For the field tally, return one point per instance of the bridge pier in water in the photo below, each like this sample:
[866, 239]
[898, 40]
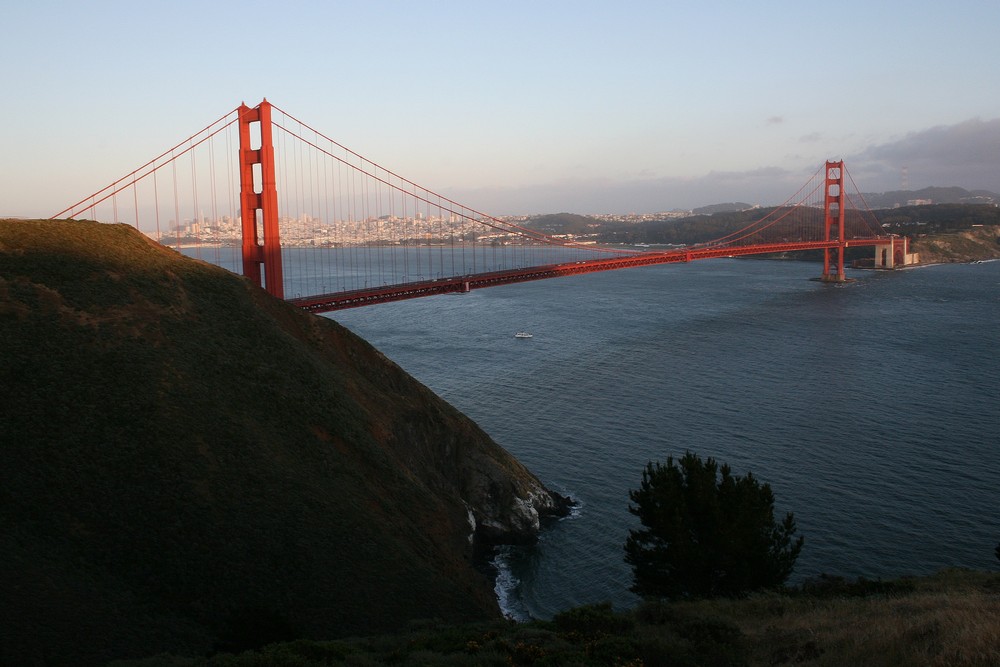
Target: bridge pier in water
[895, 253]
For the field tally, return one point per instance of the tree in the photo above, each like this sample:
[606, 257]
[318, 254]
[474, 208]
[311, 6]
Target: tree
[703, 536]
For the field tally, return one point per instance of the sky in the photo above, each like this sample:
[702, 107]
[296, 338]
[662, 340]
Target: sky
[517, 107]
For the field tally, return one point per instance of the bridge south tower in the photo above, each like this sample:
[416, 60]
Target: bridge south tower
[833, 222]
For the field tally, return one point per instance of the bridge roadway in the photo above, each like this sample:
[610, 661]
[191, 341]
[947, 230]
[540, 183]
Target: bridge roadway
[457, 284]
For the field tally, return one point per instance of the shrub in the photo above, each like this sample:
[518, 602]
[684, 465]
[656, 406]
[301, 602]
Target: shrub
[596, 620]
[706, 536]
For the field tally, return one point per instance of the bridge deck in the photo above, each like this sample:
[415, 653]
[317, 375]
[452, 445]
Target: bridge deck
[457, 284]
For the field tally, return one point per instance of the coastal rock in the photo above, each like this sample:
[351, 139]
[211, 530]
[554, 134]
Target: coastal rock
[508, 503]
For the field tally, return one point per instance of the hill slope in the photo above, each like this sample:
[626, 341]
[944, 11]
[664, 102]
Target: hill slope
[187, 463]
[980, 243]
[945, 619]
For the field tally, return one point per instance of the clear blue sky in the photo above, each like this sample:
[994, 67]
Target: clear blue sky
[517, 107]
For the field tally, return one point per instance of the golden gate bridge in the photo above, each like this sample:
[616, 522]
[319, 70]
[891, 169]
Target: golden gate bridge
[355, 233]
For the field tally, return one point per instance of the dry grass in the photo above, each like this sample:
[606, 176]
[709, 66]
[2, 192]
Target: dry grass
[951, 619]
[963, 246]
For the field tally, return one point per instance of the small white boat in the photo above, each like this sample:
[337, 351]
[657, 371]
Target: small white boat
[522, 334]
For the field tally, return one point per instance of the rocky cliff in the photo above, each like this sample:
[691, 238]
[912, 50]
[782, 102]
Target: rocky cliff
[975, 244]
[188, 464]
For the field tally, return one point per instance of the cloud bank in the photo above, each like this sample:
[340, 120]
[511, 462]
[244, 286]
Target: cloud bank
[966, 154]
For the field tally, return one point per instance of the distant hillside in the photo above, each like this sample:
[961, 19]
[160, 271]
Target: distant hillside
[908, 220]
[563, 223]
[682, 231]
[188, 464]
[892, 199]
[980, 243]
[730, 207]
[933, 195]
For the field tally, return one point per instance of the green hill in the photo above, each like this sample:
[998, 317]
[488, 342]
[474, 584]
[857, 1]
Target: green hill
[187, 464]
[912, 221]
[563, 223]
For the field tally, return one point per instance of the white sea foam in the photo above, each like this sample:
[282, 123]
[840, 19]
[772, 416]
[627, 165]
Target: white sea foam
[507, 586]
[575, 509]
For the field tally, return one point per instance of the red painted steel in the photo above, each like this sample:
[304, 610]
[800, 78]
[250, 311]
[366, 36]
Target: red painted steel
[831, 217]
[366, 297]
[257, 254]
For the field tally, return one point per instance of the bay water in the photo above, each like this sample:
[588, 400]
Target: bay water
[872, 408]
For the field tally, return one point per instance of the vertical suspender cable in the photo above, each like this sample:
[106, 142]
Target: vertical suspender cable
[230, 188]
[330, 213]
[327, 222]
[354, 213]
[299, 193]
[177, 211]
[283, 166]
[196, 215]
[451, 235]
[315, 222]
[391, 237]
[365, 212]
[135, 200]
[379, 230]
[212, 193]
[404, 241]
[156, 205]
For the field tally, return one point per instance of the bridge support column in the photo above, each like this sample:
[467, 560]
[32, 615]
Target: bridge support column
[895, 253]
[833, 222]
[259, 202]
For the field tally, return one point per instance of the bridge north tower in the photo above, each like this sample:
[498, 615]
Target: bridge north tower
[259, 201]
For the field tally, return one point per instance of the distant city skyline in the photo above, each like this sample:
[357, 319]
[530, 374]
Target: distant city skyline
[518, 108]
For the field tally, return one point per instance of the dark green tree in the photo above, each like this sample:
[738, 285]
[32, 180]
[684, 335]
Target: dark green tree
[704, 535]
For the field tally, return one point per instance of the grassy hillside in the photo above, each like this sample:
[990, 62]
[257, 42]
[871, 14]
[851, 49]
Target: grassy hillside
[949, 619]
[979, 243]
[187, 464]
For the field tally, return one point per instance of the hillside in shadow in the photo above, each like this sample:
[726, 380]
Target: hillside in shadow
[189, 465]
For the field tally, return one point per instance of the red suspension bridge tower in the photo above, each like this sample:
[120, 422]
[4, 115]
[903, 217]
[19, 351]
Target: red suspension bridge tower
[833, 220]
[259, 201]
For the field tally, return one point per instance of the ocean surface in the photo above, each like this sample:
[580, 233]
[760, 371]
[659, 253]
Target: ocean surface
[872, 408]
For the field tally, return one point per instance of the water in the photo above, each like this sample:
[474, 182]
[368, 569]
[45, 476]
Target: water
[872, 408]
[309, 271]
